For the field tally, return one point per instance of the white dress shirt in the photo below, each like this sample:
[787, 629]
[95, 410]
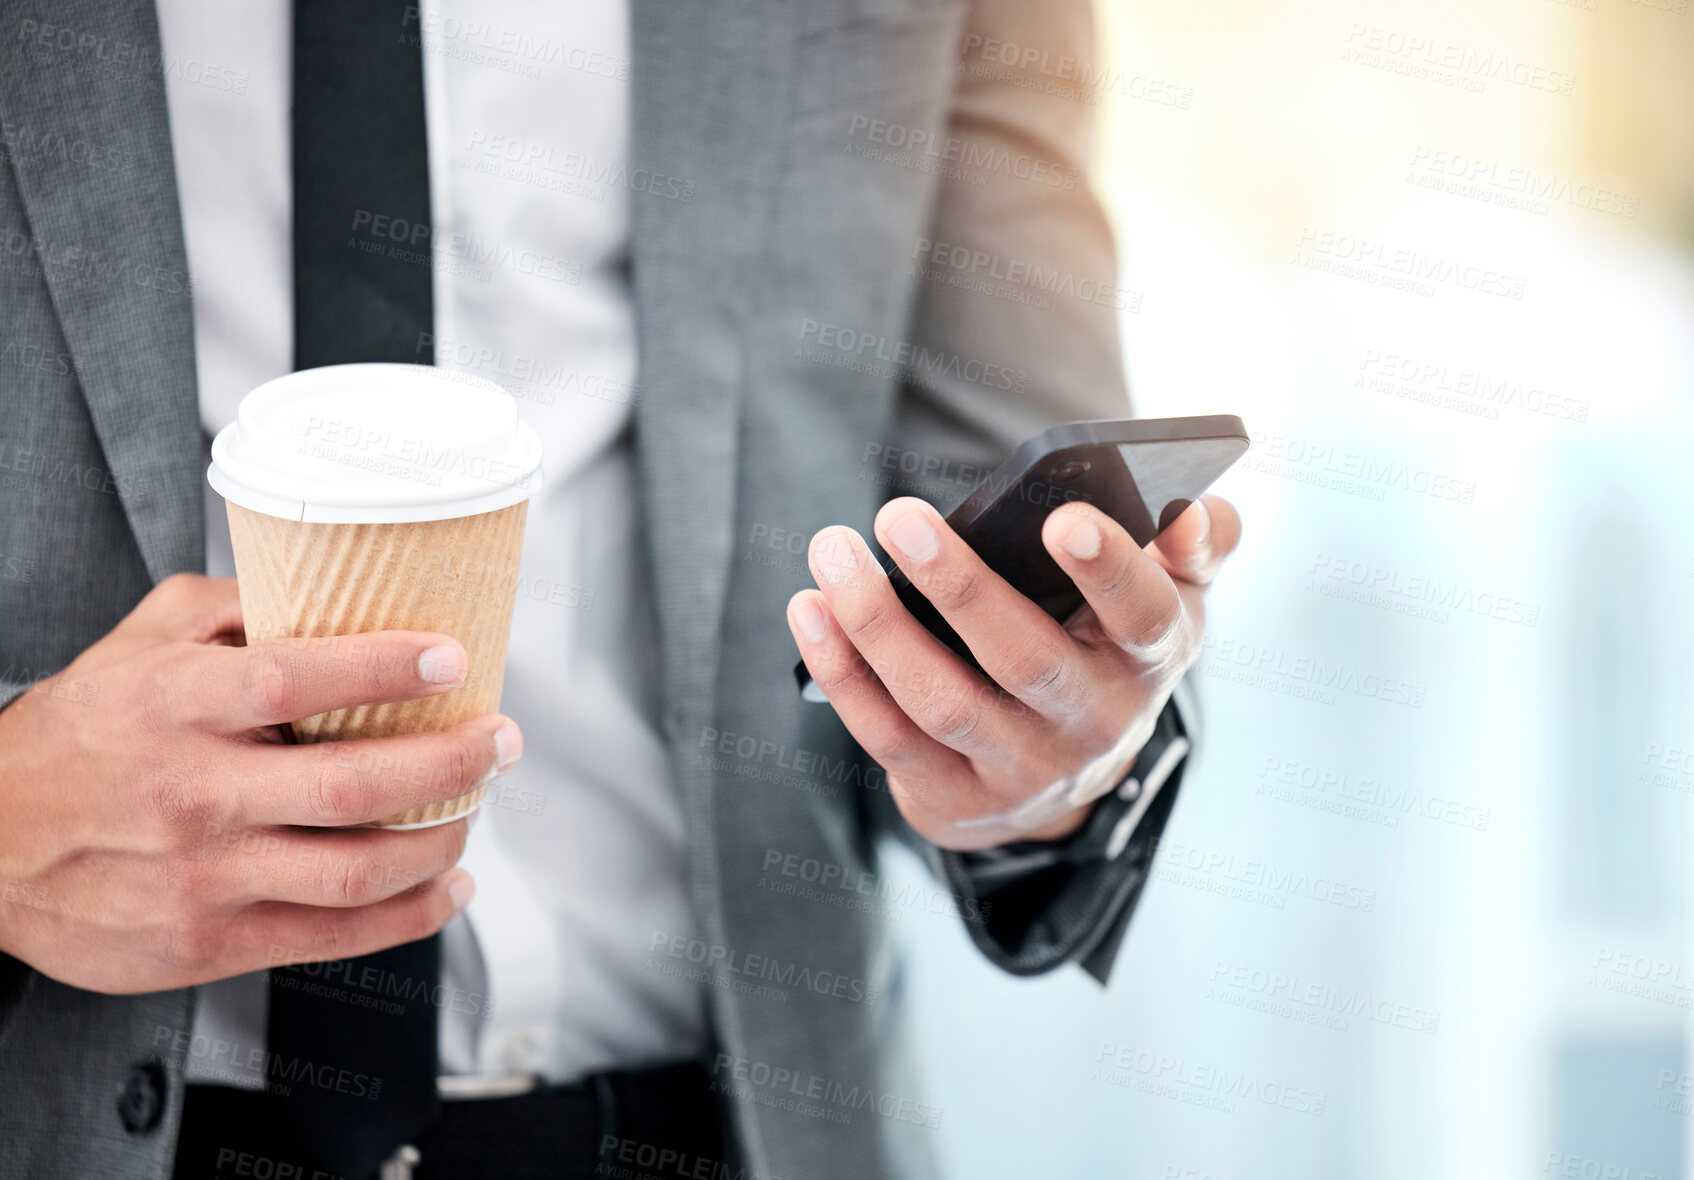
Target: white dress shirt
[579, 855]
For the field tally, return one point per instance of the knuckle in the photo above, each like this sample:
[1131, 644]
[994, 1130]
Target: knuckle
[1142, 634]
[377, 666]
[183, 885]
[154, 713]
[1106, 728]
[956, 588]
[1153, 629]
[1186, 651]
[872, 625]
[950, 715]
[331, 792]
[1038, 668]
[331, 934]
[174, 590]
[1200, 565]
[177, 799]
[848, 674]
[272, 680]
[461, 766]
[895, 745]
[347, 883]
[1118, 582]
[191, 947]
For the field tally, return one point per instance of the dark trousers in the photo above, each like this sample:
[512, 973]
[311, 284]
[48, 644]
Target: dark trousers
[654, 1122]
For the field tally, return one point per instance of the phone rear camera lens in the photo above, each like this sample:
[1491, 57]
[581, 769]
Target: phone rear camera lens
[1068, 470]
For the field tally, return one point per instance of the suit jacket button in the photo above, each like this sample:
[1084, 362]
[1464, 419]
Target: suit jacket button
[142, 1103]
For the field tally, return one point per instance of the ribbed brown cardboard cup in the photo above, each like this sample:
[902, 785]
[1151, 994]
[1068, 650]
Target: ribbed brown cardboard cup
[336, 581]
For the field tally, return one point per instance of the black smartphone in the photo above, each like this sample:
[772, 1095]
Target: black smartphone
[1141, 472]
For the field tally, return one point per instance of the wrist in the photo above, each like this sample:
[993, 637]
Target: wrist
[1069, 824]
[1063, 827]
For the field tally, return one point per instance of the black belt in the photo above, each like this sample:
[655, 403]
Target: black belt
[663, 1120]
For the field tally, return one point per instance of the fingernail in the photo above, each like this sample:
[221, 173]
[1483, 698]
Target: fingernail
[508, 747]
[1082, 540]
[913, 536]
[442, 664]
[1205, 524]
[808, 616]
[461, 891]
[833, 554]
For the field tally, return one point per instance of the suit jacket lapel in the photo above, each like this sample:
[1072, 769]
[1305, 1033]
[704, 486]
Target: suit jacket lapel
[709, 84]
[83, 81]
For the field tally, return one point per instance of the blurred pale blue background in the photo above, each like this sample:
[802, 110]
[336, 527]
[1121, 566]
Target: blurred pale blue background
[1437, 256]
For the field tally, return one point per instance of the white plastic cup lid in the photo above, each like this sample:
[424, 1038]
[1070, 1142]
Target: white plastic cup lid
[376, 444]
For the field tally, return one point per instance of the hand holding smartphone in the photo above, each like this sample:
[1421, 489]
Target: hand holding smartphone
[1140, 472]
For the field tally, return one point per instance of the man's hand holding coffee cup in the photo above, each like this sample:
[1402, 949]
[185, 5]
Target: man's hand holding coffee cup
[167, 835]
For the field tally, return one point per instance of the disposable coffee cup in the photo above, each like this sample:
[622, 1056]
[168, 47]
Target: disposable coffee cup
[381, 497]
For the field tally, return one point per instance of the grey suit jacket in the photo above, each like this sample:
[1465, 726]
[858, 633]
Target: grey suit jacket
[878, 268]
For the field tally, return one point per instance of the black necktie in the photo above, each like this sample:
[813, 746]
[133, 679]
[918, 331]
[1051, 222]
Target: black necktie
[353, 1043]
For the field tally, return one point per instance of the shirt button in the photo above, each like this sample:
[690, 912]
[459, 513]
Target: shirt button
[520, 1051]
[142, 1103]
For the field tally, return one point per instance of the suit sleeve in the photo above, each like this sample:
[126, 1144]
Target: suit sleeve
[15, 975]
[1018, 276]
[1036, 919]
